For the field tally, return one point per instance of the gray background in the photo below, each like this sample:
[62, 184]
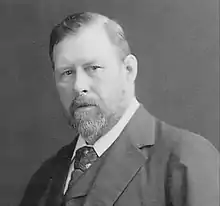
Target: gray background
[176, 43]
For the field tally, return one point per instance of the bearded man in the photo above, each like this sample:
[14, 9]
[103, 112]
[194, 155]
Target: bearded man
[121, 155]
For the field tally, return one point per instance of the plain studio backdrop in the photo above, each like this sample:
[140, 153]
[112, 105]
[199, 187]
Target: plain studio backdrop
[176, 43]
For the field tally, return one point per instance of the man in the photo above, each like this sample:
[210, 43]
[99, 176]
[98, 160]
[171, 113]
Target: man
[121, 154]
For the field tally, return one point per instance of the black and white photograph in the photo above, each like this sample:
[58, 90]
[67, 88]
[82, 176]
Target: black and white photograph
[109, 103]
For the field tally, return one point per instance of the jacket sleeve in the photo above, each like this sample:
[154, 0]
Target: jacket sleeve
[202, 162]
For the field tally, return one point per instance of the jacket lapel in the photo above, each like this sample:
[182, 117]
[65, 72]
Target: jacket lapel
[58, 178]
[123, 160]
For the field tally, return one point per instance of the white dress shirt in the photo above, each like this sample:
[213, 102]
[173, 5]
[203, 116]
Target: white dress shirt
[102, 144]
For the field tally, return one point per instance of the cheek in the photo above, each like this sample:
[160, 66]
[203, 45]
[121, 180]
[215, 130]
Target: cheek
[110, 93]
[66, 95]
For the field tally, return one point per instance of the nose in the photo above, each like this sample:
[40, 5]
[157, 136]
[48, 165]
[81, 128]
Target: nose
[81, 83]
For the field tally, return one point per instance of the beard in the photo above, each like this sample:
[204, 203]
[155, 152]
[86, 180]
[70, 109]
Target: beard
[93, 122]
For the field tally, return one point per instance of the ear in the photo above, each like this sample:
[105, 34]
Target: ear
[131, 66]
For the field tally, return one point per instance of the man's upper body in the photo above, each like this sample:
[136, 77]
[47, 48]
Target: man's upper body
[142, 161]
[150, 163]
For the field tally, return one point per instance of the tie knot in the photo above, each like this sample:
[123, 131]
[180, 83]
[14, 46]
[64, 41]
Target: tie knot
[84, 157]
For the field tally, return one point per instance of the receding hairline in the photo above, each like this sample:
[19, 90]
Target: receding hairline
[112, 28]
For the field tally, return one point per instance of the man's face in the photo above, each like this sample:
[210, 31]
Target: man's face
[89, 62]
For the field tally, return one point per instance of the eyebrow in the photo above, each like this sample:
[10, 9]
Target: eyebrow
[89, 63]
[61, 68]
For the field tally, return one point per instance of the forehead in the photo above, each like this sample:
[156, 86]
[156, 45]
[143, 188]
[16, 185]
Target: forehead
[90, 44]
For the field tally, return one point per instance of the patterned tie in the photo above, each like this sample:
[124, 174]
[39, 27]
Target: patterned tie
[83, 159]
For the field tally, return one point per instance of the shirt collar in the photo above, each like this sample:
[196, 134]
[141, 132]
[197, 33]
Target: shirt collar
[102, 144]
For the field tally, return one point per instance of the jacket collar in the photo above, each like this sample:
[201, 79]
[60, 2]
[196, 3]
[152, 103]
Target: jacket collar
[141, 128]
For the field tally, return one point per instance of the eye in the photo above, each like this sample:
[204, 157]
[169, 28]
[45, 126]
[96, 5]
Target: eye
[93, 68]
[67, 72]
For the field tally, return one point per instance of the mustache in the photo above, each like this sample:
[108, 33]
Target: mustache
[82, 102]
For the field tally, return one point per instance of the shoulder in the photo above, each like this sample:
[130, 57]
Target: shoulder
[201, 160]
[188, 145]
[47, 167]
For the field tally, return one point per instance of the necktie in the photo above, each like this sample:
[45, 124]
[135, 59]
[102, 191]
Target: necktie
[83, 159]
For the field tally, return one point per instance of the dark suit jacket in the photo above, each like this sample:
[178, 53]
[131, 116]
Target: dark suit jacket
[151, 163]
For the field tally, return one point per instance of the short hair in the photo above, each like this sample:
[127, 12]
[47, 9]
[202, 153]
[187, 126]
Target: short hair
[72, 24]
